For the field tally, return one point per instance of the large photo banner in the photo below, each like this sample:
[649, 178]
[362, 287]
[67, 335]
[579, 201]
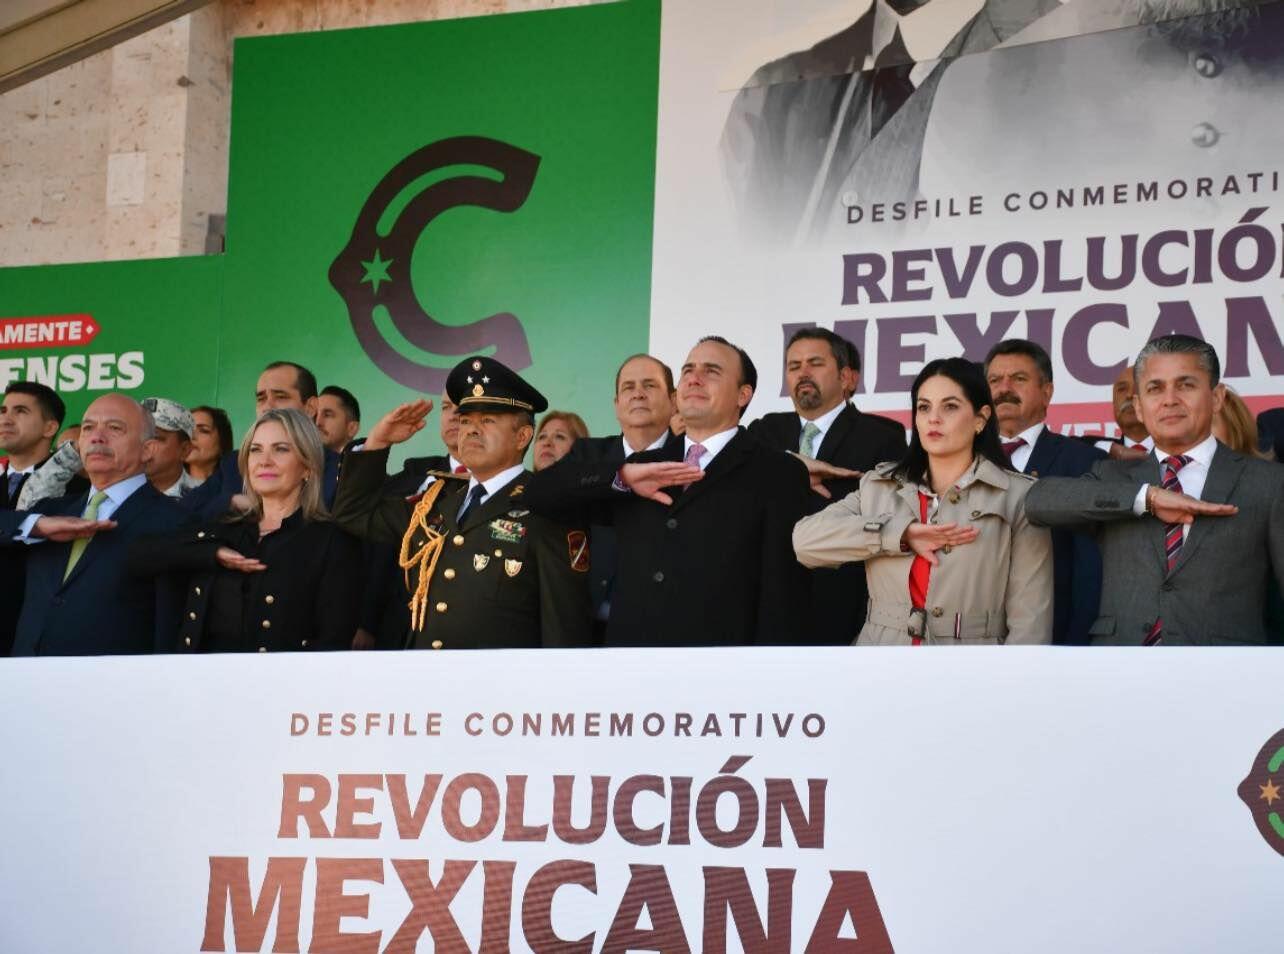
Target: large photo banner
[928, 179]
[612, 801]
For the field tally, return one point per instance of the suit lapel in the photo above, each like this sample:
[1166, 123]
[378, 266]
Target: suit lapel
[1146, 471]
[1042, 454]
[125, 514]
[1223, 474]
[729, 459]
[836, 434]
[496, 505]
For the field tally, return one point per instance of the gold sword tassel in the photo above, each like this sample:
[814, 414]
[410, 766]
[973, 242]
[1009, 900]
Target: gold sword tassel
[424, 558]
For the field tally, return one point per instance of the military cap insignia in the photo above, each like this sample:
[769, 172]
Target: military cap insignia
[509, 531]
[512, 567]
[477, 365]
[577, 544]
[1263, 791]
[478, 390]
[480, 561]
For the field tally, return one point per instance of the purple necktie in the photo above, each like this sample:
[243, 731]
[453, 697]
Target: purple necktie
[694, 453]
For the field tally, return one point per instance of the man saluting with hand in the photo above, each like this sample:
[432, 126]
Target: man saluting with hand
[481, 571]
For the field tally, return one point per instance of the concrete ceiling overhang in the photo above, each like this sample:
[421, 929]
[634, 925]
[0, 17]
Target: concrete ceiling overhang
[40, 36]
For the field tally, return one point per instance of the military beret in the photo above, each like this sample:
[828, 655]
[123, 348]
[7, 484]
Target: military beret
[483, 384]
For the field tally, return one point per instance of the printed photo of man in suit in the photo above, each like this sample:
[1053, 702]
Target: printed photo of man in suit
[1191, 536]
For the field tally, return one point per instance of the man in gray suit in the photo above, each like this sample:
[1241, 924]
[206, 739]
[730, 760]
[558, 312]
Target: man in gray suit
[1190, 535]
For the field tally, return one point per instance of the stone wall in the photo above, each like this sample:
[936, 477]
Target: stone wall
[124, 154]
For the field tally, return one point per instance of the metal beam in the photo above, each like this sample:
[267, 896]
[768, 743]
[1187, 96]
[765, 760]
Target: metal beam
[40, 36]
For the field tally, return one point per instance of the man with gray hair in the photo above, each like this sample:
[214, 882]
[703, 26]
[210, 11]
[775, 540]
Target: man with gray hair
[1192, 534]
[78, 598]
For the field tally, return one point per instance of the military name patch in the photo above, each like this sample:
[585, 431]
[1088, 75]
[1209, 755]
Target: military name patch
[509, 531]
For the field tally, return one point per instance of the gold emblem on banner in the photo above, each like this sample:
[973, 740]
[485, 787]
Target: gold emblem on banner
[480, 561]
[512, 567]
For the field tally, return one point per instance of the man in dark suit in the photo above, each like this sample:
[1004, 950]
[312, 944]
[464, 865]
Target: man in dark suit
[79, 600]
[1020, 377]
[703, 524]
[282, 384]
[30, 416]
[485, 572]
[644, 405]
[1191, 536]
[821, 371]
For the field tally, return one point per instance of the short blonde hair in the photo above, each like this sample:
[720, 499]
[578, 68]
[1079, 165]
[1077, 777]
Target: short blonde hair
[573, 421]
[305, 440]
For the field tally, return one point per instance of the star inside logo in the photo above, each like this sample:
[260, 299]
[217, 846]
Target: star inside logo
[376, 271]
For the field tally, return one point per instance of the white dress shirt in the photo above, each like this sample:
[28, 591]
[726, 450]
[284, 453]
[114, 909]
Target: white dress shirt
[1192, 476]
[711, 444]
[823, 424]
[117, 494]
[1021, 456]
[654, 445]
[495, 484]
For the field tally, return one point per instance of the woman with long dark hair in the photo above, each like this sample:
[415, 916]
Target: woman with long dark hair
[949, 555]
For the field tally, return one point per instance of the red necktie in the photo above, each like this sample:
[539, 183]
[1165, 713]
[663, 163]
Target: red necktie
[1011, 447]
[1172, 538]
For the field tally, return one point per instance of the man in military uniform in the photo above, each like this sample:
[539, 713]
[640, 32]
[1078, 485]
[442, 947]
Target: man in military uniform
[481, 570]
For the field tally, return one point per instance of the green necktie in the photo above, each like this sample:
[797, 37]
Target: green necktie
[807, 446]
[78, 546]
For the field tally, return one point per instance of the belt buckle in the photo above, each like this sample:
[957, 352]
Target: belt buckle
[917, 626]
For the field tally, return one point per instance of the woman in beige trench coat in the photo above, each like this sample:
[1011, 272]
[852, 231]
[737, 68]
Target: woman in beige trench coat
[949, 554]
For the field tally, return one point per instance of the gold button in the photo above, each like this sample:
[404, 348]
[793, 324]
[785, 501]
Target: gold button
[441, 607]
[946, 548]
[305, 643]
[266, 624]
[262, 649]
[436, 644]
[187, 640]
[269, 599]
[201, 535]
[197, 591]
[189, 616]
[458, 540]
[937, 612]
[499, 553]
[449, 573]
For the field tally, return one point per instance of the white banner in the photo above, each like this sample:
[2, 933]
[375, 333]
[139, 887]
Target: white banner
[930, 181]
[846, 800]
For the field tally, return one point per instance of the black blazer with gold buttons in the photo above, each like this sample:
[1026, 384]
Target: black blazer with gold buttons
[308, 598]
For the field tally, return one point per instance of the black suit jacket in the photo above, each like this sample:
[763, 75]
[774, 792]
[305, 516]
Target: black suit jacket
[1076, 560]
[13, 570]
[715, 568]
[856, 441]
[101, 609]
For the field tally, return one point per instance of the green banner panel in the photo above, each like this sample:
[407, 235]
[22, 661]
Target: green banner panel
[402, 197]
[148, 328]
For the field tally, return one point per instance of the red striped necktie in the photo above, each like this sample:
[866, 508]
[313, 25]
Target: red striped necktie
[1173, 538]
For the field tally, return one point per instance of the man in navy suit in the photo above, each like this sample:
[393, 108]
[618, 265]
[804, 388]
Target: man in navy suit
[1020, 377]
[79, 600]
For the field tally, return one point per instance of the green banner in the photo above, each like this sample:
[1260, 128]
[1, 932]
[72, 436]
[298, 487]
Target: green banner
[149, 328]
[403, 197]
[400, 197]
